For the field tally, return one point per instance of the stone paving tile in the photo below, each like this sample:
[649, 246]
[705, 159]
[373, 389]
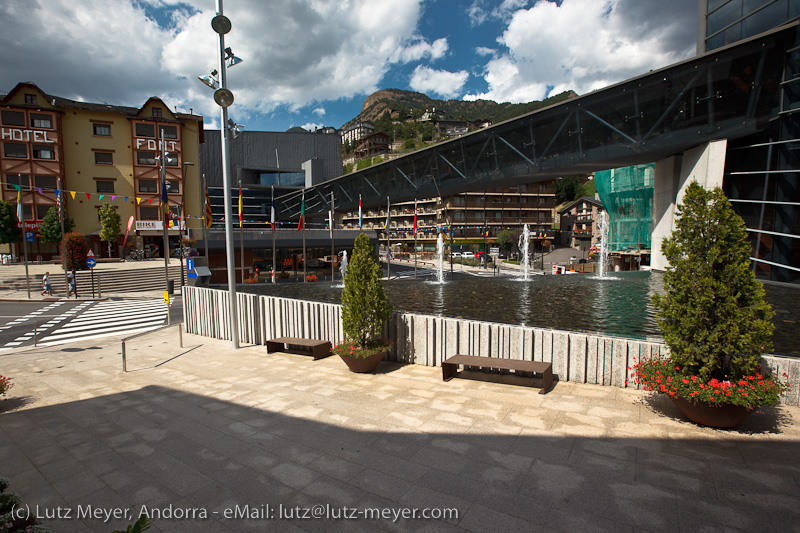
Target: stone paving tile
[218, 428]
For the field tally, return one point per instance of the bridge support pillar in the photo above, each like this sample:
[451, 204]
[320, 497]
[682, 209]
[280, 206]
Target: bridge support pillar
[705, 164]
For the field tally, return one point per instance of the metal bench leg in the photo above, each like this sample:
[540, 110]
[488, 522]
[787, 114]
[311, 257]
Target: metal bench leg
[547, 380]
[449, 371]
[273, 347]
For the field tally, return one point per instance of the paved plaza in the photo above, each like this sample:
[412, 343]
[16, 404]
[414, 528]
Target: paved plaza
[215, 433]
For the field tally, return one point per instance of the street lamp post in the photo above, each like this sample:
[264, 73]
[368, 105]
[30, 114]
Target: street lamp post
[224, 98]
[164, 211]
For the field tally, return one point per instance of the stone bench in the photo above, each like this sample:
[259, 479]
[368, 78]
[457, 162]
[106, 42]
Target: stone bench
[544, 370]
[319, 349]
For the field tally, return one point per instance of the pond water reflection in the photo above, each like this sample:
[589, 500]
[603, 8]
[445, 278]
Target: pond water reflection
[619, 306]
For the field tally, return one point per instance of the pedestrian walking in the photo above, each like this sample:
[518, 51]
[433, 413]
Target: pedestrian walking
[71, 283]
[46, 287]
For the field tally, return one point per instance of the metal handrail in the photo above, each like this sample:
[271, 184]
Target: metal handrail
[124, 356]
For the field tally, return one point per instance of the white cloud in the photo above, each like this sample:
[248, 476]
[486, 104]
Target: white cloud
[484, 51]
[296, 52]
[320, 111]
[421, 49]
[583, 45]
[311, 126]
[441, 82]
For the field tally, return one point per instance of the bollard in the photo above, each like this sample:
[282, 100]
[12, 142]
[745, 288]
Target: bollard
[124, 359]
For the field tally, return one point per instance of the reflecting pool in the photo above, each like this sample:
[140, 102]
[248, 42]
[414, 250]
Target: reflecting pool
[619, 305]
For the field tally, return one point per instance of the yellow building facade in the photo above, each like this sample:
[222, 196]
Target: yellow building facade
[91, 154]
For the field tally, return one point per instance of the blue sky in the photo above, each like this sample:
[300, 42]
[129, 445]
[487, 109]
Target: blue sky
[313, 62]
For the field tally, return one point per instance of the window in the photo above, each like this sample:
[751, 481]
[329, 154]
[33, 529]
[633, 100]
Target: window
[103, 158]
[169, 132]
[156, 111]
[30, 99]
[27, 212]
[46, 182]
[41, 211]
[43, 152]
[146, 158]
[148, 186]
[15, 150]
[173, 186]
[39, 120]
[17, 179]
[148, 213]
[102, 130]
[145, 130]
[13, 118]
[104, 186]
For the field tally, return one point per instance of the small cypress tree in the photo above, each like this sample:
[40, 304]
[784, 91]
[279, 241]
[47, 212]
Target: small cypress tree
[76, 242]
[713, 316]
[365, 308]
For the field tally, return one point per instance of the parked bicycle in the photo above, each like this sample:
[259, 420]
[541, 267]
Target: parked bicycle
[136, 255]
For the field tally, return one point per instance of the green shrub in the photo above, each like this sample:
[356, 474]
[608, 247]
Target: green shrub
[365, 308]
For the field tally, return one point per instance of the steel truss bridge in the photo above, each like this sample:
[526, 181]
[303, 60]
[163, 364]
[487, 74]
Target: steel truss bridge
[729, 93]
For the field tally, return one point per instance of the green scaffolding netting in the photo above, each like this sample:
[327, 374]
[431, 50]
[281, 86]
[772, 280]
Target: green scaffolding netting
[627, 196]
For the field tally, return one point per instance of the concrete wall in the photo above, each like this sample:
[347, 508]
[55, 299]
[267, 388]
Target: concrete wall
[427, 340]
[705, 164]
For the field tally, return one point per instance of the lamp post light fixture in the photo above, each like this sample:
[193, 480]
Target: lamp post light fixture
[224, 99]
[162, 160]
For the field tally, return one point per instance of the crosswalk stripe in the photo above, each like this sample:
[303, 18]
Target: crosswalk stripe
[105, 319]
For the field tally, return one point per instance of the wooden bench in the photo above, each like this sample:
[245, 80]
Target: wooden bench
[319, 349]
[545, 370]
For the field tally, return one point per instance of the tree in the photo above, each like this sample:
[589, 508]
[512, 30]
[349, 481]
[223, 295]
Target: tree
[109, 225]
[75, 251]
[50, 228]
[507, 239]
[9, 232]
[569, 188]
[713, 315]
[365, 308]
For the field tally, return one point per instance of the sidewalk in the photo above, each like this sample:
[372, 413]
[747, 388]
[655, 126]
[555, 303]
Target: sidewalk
[209, 431]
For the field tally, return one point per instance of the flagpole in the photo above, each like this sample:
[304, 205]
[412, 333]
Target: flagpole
[272, 223]
[206, 220]
[164, 209]
[241, 230]
[388, 240]
[333, 252]
[302, 217]
[415, 238]
[61, 204]
[21, 217]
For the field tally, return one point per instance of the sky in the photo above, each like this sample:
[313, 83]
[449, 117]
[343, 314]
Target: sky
[311, 63]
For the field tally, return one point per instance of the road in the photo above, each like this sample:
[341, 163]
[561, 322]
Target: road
[65, 321]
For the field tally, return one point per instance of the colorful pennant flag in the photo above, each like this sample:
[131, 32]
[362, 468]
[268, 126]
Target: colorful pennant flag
[359, 212]
[240, 206]
[388, 214]
[302, 212]
[208, 209]
[272, 211]
[415, 217]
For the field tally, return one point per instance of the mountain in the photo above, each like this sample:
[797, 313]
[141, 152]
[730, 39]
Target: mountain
[404, 104]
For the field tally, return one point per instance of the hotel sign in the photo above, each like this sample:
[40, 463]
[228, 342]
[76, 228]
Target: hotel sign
[153, 145]
[14, 134]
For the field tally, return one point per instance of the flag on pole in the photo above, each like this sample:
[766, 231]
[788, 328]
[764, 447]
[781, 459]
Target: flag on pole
[272, 211]
[359, 212]
[240, 206]
[208, 209]
[388, 214]
[58, 203]
[415, 217]
[19, 208]
[302, 212]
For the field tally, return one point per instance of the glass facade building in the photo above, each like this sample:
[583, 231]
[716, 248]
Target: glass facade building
[762, 171]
